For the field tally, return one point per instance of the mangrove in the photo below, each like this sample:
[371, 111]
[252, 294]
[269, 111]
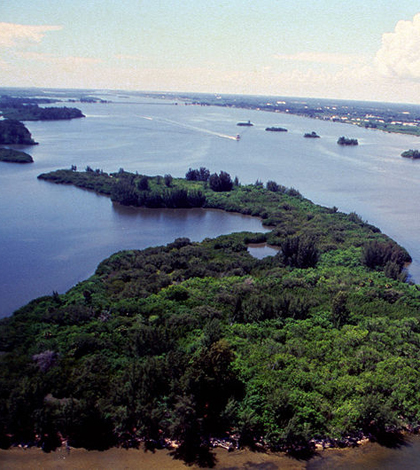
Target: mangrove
[196, 343]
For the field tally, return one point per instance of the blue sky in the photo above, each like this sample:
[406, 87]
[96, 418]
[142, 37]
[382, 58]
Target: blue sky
[338, 49]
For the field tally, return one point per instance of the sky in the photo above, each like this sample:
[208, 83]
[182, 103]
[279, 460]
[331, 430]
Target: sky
[340, 49]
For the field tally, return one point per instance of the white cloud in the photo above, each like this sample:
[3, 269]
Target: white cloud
[399, 55]
[321, 58]
[12, 35]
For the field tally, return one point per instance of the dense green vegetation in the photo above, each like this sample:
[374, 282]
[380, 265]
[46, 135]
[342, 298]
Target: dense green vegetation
[33, 112]
[134, 190]
[28, 109]
[14, 156]
[199, 340]
[411, 154]
[8, 101]
[346, 141]
[14, 132]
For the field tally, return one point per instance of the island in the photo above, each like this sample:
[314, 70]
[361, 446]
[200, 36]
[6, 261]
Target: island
[14, 132]
[90, 99]
[276, 129]
[346, 141]
[311, 135]
[198, 344]
[414, 154]
[37, 113]
[28, 109]
[14, 156]
[245, 124]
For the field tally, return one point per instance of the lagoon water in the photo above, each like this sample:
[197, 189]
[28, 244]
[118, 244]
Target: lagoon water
[54, 236]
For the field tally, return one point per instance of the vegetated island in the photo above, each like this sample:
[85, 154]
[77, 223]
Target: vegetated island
[36, 113]
[27, 109]
[14, 156]
[89, 99]
[14, 132]
[276, 129]
[311, 135]
[193, 345]
[414, 154]
[346, 141]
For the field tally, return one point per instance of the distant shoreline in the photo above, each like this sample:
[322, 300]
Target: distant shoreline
[365, 114]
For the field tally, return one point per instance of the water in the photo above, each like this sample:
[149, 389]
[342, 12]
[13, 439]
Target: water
[54, 236]
[133, 459]
[371, 457]
[366, 457]
[262, 250]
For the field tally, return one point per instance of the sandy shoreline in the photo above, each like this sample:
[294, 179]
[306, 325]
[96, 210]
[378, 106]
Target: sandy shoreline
[121, 459]
[370, 456]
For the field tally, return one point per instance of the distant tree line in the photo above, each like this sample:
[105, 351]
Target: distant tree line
[33, 112]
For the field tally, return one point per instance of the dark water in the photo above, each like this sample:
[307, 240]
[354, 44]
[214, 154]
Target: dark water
[54, 236]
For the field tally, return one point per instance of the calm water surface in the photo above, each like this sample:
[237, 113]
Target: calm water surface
[54, 236]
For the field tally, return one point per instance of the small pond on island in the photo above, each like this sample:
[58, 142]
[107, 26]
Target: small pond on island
[262, 250]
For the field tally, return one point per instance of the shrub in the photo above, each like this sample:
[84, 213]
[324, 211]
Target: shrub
[299, 252]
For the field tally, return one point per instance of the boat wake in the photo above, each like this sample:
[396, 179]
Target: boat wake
[193, 128]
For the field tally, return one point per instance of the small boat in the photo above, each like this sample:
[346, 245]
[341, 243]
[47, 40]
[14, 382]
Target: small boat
[238, 137]
[249, 123]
